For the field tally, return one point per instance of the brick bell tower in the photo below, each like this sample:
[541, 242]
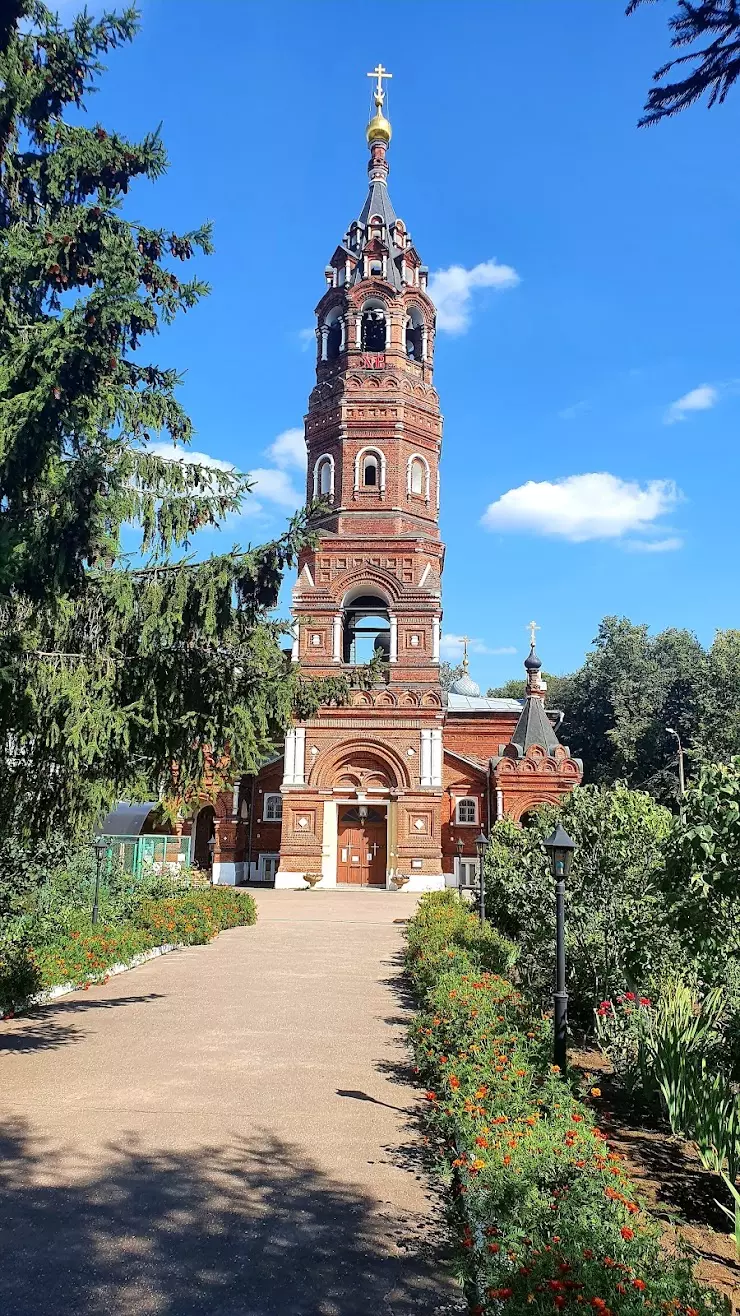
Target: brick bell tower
[362, 784]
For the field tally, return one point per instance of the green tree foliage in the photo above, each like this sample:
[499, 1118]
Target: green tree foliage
[716, 65]
[632, 686]
[616, 926]
[113, 677]
[702, 870]
[449, 672]
[516, 688]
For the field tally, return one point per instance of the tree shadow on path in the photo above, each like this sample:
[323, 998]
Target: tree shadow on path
[242, 1227]
[43, 1029]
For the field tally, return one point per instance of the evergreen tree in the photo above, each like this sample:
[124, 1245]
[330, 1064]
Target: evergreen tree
[716, 65]
[113, 677]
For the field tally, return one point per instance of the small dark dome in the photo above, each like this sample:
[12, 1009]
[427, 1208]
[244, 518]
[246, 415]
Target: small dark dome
[532, 663]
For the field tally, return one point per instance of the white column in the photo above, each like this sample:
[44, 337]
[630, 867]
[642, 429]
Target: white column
[337, 639]
[329, 845]
[300, 755]
[435, 639]
[424, 343]
[342, 340]
[289, 766]
[436, 747]
[295, 651]
[388, 333]
[499, 803]
[324, 340]
[394, 639]
[235, 800]
[426, 758]
[358, 331]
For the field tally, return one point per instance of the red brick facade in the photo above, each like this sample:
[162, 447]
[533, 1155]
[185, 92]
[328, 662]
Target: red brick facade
[403, 751]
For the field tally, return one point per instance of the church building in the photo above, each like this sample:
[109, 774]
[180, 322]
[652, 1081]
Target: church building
[393, 788]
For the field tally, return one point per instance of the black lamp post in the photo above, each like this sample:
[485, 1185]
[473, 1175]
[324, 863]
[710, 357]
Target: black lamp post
[100, 845]
[212, 850]
[481, 845]
[560, 849]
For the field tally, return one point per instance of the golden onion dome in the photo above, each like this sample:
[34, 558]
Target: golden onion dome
[378, 129]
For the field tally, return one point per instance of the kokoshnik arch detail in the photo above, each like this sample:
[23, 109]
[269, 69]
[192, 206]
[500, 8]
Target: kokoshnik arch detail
[400, 782]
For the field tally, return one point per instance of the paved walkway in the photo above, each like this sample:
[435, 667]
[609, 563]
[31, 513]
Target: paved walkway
[224, 1130]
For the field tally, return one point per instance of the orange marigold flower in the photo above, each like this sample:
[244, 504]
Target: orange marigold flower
[431, 1096]
[595, 1092]
[554, 1069]
[454, 1081]
[507, 1160]
[627, 1233]
[482, 1091]
[639, 1284]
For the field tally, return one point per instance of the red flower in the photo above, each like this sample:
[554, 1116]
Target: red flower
[630, 996]
[454, 1081]
[639, 1284]
[500, 1293]
[627, 1233]
[431, 1096]
[645, 1000]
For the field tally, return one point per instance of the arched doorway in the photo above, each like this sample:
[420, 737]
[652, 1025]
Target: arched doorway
[362, 845]
[205, 830]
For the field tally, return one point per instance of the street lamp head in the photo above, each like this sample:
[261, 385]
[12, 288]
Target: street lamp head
[100, 845]
[459, 846]
[481, 845]
[560, 849]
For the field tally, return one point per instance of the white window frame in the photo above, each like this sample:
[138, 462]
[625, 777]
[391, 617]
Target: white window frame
[272, 795]
[325, 457]
[466, 822]
[369, 451]
[466, 861]
[425, 482]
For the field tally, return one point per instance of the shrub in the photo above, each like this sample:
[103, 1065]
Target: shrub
[83, 955]
[616, 921]
[543, 1214]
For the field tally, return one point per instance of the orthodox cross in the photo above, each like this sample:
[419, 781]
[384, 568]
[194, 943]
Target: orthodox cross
[532, 628]
[464, 639]
[379, 72]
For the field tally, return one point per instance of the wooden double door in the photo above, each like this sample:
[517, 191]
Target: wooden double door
[361, 847]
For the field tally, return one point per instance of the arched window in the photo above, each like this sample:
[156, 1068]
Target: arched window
[370, 471]
[376, 269]
[467, 810]
[334, 336]
[415, 335]
[273, 811]
[366, 631]
[417, 476]
[323, 477]
[373, 327]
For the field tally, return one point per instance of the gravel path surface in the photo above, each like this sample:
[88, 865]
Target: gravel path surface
[228, 1129]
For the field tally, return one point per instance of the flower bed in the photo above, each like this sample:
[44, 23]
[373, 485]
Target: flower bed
[544, 1216]
[84, 956]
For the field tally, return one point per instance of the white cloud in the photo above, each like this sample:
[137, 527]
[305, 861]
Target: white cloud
[577, 409]
[451, 646]
[451, 291]
[698, 399]
[668, 545]
[289, 449]
[306, 338]
[170, 453]
[582, 507]
[276, 487]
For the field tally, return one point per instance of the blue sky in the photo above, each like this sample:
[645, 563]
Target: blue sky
[610, 350]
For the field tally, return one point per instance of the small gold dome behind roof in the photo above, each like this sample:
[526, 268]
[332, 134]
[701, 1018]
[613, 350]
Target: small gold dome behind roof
[379, 129]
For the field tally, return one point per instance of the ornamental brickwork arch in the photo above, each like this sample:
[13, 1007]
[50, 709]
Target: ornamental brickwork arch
[362, 758]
